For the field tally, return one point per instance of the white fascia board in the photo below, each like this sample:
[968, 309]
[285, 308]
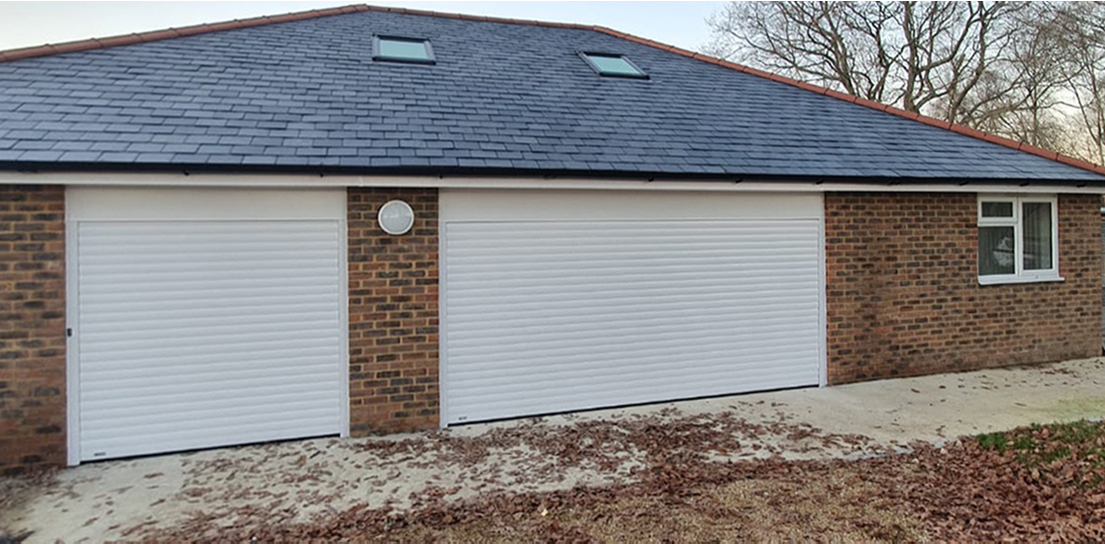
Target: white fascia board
[305, 181]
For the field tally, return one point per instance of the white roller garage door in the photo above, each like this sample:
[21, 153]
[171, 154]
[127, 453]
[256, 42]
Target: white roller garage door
[573, 300]
[205, 318]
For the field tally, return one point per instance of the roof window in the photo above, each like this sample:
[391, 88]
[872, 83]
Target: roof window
[396, 49]
[613, 65]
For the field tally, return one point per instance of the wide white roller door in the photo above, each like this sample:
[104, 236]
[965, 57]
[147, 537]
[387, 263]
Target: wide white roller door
[559, 302]
[206, 328]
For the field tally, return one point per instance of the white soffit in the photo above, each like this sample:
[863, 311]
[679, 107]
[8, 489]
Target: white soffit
[465, 182]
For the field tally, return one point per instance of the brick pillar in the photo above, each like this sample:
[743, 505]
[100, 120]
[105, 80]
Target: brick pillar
[32, 327]
[393, 319]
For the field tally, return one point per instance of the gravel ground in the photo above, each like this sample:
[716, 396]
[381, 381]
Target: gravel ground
[312, 480]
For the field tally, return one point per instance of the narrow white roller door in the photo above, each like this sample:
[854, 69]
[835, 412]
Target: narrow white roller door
[204, 333]
[546, 316]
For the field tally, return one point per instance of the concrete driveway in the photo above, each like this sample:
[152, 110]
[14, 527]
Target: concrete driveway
[306, 480]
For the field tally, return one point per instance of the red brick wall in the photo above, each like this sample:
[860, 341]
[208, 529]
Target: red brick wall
[393, 319]
[32, 327]
[903, 295]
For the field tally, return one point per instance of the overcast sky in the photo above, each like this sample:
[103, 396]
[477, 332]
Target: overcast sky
[25, 24]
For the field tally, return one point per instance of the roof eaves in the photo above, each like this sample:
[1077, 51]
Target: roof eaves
[579, 171]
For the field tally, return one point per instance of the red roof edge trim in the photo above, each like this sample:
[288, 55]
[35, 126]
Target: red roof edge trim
[839, 95]
[908, 114]
[811, 87]
[1039, 151]
[967, 131]
[937, 122]
[1077, 163]
[144, 37]
[872, 104]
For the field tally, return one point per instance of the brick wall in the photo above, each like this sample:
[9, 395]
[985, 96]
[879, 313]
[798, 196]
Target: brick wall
[393, 319]
[32, 327]
[903, 295]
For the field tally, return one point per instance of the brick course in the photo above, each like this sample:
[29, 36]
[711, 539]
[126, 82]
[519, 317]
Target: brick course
[32, 327]
[393, 316]
[903, 296]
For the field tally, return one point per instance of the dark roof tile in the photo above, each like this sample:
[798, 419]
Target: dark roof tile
[79, 156]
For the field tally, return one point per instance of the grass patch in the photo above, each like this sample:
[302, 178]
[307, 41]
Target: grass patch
[1075, 449]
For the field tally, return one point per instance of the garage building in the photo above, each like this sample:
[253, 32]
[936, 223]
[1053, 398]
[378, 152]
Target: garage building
[367, 220]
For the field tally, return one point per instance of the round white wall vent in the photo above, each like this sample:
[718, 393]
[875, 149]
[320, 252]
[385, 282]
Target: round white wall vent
[396, 217]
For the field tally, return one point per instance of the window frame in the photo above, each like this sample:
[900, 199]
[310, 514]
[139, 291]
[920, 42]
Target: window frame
[378, 57]
[586, 56]
[1019, 275]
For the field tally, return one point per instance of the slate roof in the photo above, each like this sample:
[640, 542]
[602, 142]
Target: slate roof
[503, 98]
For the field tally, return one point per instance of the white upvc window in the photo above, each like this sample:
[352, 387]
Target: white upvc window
[1018, 239]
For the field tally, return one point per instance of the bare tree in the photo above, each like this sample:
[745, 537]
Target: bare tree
[845, 46]
[1022, 97]
[951, 48]
[922, 56]
[1082, 30]
[1029, 71]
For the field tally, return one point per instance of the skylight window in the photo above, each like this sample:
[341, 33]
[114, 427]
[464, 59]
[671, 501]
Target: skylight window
[394, 49]
[613, 65]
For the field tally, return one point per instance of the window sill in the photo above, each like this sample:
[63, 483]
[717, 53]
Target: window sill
[1002, 280]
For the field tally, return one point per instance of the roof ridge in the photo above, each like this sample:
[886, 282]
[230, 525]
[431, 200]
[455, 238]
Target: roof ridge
[157, 35]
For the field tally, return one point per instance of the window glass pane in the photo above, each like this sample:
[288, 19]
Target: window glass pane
[403, 49]
[1037, 236]
[995, 251]
[614, 65]
[997, 209]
